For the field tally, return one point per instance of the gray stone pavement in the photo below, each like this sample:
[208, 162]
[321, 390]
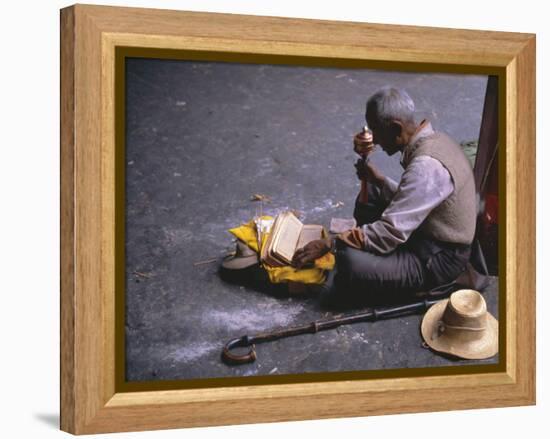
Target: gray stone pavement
[201, 139]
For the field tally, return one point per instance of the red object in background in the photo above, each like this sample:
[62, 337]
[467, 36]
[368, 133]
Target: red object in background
[490, 216]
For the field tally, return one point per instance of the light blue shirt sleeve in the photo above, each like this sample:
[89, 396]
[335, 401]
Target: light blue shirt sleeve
[389, 188]
[424, 185]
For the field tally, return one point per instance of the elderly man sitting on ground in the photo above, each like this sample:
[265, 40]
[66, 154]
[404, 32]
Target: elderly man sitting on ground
[412, 235]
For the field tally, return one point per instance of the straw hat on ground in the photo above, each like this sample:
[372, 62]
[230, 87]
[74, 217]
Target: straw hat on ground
[461, 326]
[244, 257]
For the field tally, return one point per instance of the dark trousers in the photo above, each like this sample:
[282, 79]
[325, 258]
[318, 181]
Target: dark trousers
[420, 264]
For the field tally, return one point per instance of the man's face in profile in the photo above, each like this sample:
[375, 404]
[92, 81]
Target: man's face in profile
[382, 136]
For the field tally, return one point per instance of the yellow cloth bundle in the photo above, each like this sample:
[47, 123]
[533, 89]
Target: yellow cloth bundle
[314, 275]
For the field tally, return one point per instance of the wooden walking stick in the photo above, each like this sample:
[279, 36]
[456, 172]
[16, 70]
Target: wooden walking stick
[249, 341]
[363, 145]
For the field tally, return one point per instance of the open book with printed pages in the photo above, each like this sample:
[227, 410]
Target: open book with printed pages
[287, 235]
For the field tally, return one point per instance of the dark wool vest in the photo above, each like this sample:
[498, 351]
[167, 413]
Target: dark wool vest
[454, 220]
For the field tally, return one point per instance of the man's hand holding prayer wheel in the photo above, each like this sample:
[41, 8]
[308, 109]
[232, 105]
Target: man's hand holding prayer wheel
[366, 170]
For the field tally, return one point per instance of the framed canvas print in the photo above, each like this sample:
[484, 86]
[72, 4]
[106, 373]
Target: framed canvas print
[270, 219]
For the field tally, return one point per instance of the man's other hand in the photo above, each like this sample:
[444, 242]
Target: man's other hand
[369, 172]
[311, 251]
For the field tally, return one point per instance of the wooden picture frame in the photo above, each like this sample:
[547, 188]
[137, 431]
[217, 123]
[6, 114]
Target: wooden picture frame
[91, 399]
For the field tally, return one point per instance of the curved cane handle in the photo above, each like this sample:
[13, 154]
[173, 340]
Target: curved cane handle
[230, 358]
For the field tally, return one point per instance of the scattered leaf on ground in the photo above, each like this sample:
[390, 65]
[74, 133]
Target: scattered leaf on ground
[207, 261]
[260, 197]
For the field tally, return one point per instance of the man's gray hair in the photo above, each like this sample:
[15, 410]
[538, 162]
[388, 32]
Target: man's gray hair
[389, 104]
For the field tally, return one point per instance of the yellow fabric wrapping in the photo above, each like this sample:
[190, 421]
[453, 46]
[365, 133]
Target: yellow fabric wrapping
[314, 275]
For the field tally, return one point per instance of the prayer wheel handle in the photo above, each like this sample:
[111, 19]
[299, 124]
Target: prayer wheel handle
[363, 145]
